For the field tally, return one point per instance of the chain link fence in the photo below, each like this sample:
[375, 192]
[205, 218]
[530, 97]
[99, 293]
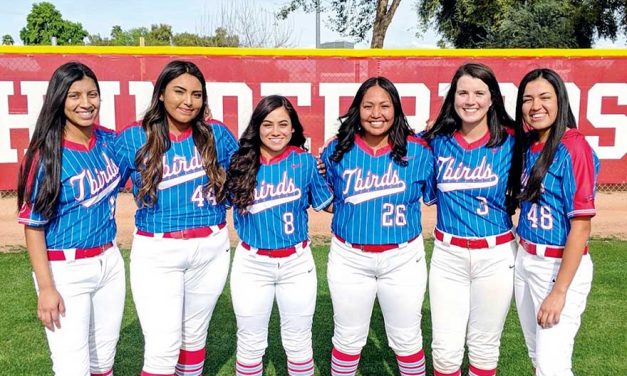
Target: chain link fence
[612, 187]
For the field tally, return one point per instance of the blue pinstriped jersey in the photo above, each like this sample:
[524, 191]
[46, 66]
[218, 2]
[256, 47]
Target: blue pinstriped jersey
[376, 201]
[286, 186]
[85, 213]
[568, 191]
[180, 200]
[471, 185]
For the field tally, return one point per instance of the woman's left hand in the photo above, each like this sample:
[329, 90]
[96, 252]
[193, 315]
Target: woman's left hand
[551, 309]
[322, 170]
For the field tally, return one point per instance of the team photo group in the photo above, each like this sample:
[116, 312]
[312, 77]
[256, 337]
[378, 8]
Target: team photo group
[474, 162]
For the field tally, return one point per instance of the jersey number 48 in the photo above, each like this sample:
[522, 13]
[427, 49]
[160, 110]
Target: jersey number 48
[540, 216]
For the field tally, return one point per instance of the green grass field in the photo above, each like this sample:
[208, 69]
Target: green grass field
[601, 345]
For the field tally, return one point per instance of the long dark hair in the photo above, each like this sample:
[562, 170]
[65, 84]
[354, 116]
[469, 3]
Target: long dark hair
[448, 121]
[46, 146]
[564, 120]
[350, 123]
[242, 176]
[149, 158]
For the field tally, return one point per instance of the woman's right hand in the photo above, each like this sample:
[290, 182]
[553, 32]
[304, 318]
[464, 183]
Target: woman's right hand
[50, 308]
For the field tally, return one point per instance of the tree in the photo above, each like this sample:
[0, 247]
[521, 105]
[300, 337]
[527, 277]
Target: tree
[45, 21]
[191, 40]
[543, 24]
[354, 18]
[161, 35]
[7, 40]
[253, 25]
[529, 23]
[223, 39]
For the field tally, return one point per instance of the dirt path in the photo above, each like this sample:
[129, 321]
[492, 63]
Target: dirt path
[609, 222]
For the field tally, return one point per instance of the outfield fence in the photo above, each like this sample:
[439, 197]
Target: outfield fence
[320, 83]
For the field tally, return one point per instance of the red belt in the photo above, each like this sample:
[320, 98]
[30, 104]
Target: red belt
[555, 252]
[79, 253]
[277, 253]
[375, 248]
[190, 233]
[475, 243]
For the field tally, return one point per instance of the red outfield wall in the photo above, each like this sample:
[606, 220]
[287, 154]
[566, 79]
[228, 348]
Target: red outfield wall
[319, 83]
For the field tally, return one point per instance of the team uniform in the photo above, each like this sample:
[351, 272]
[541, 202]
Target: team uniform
[180, 251]
[377, 250]
[568, 192]
[471, 275]
[86, 265]
[274, 258]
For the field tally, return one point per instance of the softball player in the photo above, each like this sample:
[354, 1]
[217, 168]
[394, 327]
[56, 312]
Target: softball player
[378, 171]
[67, 188]
[273, 180]
[553, 268]
[180, 251]
[471, 276]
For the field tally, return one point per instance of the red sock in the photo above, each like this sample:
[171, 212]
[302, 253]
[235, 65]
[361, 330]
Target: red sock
[305, 368]
[106, 373]
[343, 364]
[412, 365]
[242, 369]
[474, 371]
[190, 362]
[456, 373]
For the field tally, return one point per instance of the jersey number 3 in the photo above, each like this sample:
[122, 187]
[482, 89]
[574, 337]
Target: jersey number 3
[483, 208]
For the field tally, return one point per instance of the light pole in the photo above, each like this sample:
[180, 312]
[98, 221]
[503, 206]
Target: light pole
[317, 23]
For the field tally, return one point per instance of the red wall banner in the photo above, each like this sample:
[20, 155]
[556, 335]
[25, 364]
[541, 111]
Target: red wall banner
[320, 86]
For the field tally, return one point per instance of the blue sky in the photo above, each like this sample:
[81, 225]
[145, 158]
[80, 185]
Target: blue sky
[195, 16]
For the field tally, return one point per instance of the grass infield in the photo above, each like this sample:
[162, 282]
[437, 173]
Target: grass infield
[600, 348]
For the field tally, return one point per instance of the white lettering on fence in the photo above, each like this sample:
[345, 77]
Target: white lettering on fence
[34, 92]
[330, 95]
[599, 120]
[244, 94]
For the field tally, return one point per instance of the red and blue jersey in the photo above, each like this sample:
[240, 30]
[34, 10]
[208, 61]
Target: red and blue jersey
[85, 213]
[286, 186]
[568, 190]
[181, 203]
[376, 201]
[471, 185]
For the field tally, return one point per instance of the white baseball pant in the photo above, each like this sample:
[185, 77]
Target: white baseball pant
[397, 277]
[255, 281]
[550, 350]
[176, 284]
[93, 290]
[470, 292]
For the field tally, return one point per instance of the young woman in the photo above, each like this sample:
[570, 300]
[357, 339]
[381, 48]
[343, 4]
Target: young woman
[471, 276]
[553, 268]
[379, 171]
[67, 189]
[272, 182]
[180, 252]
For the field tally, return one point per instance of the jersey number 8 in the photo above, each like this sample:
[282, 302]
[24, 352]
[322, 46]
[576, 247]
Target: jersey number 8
[288, 223]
